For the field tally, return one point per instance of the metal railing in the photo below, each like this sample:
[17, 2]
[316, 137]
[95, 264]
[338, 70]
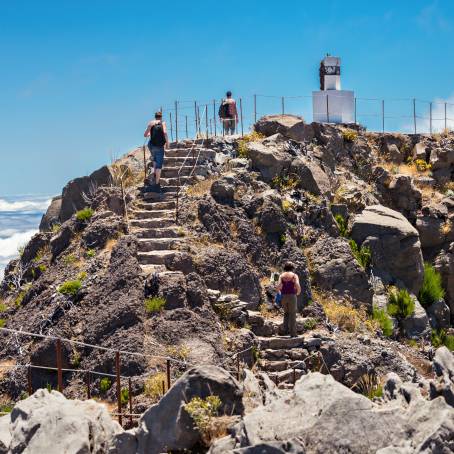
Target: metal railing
[406, 115]
[89, 373]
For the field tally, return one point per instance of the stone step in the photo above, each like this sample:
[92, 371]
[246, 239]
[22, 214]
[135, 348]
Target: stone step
[152, 223]
[152, 269]
[164, 196]
[155, 257]
[172, 172]
[279, 366]
[280, 342]
[286, 376]
[178, 161]
[164, 232]
[173, 181]
[170, 205]
[157, 244]
[182, 152]
[153, 214]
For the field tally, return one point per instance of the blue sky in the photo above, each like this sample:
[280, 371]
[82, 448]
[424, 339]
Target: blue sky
[80, 79]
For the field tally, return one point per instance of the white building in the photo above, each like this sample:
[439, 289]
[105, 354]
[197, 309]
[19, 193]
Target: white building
[331, 104]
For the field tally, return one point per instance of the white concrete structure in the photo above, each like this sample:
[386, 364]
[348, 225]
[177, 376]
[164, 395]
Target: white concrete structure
[331, 104]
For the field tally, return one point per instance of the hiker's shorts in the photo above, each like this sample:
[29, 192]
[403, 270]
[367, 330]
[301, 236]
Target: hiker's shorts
[157, 155]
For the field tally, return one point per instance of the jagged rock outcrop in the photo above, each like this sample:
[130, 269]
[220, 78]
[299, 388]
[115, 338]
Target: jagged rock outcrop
[395, 245]
[52, 215]
[308, 421]
[311, 176]
[273, 124]
[49, 423]
[443, 385]
[444, 264]
[335, 269]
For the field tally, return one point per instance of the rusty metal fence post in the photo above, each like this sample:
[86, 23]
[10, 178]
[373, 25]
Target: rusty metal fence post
[130, 400]
[168, 373]
[214, 117]
[29, 381]
[414, 114]
[206, 119]
[255, 108]
[59, 366]
[117, 372]
[186, 124]
[355, 112]
[176, 121]
[430, 117]
[282, 105]
[195, 116]
[171, 126]
[383, 115]
[241, 117]
[446, 119]
[88, 385]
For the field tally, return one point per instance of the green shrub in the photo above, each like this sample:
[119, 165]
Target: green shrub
[431, 289]
[20, 297]
[2, 322]
[342, 225]
[6, 408]
[70, 288]
[42, 268]
[70, 259]
[202, 411]
[349, 135]
[363, 254]
[386, 324]
[310, 323]
[104, 385]
[124, 396]
[439, 338]
[400, 304]
[369, 385]
[3, 307]
[84, 215]
[155, 304]
[91, 253]
[82, 276]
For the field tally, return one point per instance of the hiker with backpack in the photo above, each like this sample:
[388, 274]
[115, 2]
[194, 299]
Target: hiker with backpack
[228, 114]
[289, 287]
[157, 132]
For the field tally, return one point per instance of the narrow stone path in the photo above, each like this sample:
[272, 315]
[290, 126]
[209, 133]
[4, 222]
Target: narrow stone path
[153, 218]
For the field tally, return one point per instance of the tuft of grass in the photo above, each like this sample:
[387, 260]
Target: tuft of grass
[2, 322]
[400, 303]
[19, 298]
[285, 182]
[287, 205]
[439, 338]
[243, 143]
[368, 385]
[431, 290]
[84, 215]
[82, 276]
[3, 307]
[105, 384]
[55, 228]
[342, 225]
[155, 304]
[70, 288]
[310, 323]
[363, 254]
[154, 385]
[6, 408]
[180, 352]
[70, 259]
[349, 135]
[282, 239]
[42, 267]
[421, 165]
[202, 412]
[90, 253]
[386, 324]
[124, 396]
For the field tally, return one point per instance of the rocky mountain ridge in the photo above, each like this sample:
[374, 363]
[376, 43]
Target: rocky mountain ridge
[365, 217]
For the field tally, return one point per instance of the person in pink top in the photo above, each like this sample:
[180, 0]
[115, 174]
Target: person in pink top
[289, 287]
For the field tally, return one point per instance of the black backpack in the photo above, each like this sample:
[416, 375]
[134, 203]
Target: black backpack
[224, 110]
[157, 136]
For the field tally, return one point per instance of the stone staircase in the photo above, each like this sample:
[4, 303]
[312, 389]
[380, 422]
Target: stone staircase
[153, 217]
[285, 359]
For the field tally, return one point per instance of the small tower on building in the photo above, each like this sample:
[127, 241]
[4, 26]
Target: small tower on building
[331, 104]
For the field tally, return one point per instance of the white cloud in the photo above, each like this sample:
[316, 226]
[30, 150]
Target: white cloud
[24, 205]
[9, 246]
[438, 116]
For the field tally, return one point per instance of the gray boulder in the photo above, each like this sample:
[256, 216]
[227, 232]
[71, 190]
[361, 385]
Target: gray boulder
[49, 423]
[327, 417]
[223, 190]
[420, 151]
[417, 324]
[334, 269]
[166, 426]
[273, 124]
[444, 264]
[443, 385]
[442, 160]
[269, 160]
[62, 239]
[73, 193]
[395, 245]
[311, 175]
[439, 315]
[52, 215]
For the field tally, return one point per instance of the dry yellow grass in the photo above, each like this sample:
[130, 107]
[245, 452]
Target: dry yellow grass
[446, 227]
[344, 315]
[155, 385]
[404, 169]
[201, 187]
[6, 366]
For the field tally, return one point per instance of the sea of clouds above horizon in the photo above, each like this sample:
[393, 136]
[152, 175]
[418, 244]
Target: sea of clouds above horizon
[19, 221]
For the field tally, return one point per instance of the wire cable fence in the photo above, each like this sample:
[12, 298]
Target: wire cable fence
[123, 383]
[189, 119]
